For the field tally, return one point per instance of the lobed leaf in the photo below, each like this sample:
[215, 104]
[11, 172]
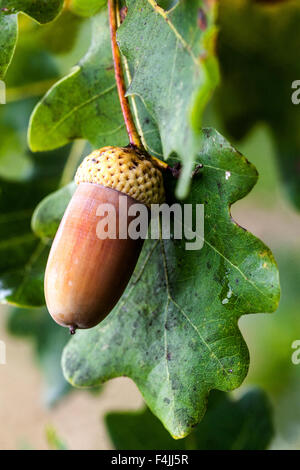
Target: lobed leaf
[8, 39]
[175, 330]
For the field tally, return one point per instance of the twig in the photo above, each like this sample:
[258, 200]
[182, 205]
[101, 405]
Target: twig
[134, 138]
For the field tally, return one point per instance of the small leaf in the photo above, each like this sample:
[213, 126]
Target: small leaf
[41, 10]
[49, 341]
[175, 70]
[84, 104]
[175, 330]
[8, 40]
[48, 214]
[244, 424]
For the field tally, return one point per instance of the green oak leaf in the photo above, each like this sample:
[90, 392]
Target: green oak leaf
[175, 330]
[244, 424]
[49, 340]
[42, 11]
[259, 57]
[84, 104]
[175, 70]
[8, 40]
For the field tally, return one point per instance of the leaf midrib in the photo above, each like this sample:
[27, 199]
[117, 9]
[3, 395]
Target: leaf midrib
[165, 16]
[80, 106]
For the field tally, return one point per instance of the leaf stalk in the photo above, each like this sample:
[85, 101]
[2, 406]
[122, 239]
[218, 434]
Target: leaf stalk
[133, 135]
[132, 132]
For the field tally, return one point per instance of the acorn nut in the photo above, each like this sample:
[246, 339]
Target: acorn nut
[87, 272]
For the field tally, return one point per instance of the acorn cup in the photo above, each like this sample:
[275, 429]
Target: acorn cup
[88, 267]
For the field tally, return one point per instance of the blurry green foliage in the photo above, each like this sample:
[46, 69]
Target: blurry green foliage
[258, 49]
[244, 424]
[41, 11]
[54, 441]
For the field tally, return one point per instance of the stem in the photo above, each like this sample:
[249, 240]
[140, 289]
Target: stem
[133, 135]
[132, 132]
[72, 329]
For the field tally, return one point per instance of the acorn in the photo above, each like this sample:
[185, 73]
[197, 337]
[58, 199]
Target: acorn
[87, 272]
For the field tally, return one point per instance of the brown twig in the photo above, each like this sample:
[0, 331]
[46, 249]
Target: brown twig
[134, 138]
[132, 132]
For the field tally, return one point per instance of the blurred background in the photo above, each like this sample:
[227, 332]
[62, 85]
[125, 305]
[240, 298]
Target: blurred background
[38, 408]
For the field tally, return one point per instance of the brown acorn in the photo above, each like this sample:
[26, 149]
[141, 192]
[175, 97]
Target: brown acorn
[86, 274]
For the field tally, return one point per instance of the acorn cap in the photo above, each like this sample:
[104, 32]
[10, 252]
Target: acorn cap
[125, 169]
